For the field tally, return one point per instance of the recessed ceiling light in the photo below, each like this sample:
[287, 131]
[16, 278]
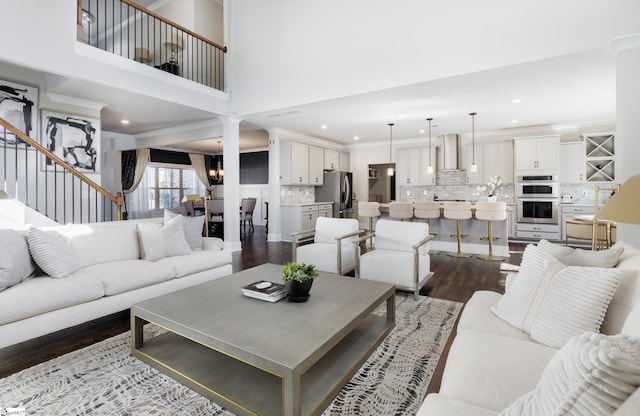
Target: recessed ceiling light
[356, 137]
[323, 127]
[124, 121]
[516, 100]
[421, 131]
[515, 120]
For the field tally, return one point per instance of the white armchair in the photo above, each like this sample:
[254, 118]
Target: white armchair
[401, 255]
[332, 249]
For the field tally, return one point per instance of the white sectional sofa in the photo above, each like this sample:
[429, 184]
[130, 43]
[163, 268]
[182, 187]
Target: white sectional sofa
[492, 363]
[101, 270]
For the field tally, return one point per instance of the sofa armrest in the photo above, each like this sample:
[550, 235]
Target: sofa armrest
[212, 244]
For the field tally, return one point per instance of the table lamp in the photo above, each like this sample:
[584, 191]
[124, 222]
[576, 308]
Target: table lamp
[624, 205]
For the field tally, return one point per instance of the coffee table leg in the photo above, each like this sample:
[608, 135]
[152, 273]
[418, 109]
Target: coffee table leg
[137, 334]
[292, 395]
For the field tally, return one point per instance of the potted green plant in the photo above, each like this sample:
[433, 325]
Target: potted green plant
[298, 278]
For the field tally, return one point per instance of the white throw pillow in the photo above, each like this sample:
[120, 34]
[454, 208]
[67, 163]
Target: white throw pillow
[579, 257]
[151, 241]
[157, 241]
[192, 228]
[15, 260]
[553, 302]
[175, 243]
[593, 374]
[52, 253]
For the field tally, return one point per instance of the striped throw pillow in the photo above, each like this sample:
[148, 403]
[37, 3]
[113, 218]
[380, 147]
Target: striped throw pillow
[52, 253]
[553, 302]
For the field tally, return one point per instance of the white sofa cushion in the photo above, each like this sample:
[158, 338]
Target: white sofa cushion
[492, 371]
[439, 405]
[593, 374]
[401, 236]
[327, 229]
[192, 228]
[628, 293]
[195, 262]
[325, 256]
[553, 302]
[125, 275]
[477, 316]
[394, 267]
[43, 294]
[100, 242]
[52, 253]
[579, 257]
[632, 323]
[15, 260]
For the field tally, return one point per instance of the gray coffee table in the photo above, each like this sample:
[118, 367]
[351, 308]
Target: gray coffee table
[256, 357]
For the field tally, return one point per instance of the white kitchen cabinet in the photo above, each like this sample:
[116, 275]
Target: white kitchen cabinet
[294, 163]
[497, 160]
[474, 153]
[536, 155]
[296, 218]
[408, 167]
[345, 162]
[316, 166]
[572, 168]
[511, 220]
[538, 231]
[331, 160]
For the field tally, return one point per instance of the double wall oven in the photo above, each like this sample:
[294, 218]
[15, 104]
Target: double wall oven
[538, 199]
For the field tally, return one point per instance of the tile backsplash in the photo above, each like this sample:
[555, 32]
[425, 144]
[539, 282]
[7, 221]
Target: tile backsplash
[297, 194]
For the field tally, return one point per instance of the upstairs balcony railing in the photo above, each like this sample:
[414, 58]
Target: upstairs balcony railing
[131, 31]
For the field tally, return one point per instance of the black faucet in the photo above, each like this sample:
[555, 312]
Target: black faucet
[435, 198]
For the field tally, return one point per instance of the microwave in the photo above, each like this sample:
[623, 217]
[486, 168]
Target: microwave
[542, 186]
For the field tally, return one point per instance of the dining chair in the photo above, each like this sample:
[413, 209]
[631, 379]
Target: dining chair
[215, 208]
[246, 212]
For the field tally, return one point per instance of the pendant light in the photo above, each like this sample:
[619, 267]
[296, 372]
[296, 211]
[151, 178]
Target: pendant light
[473, 167]
[430, 167]
[390, 169]
[218, 174]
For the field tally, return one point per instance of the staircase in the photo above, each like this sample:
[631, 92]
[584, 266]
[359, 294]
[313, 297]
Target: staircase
[38, 183]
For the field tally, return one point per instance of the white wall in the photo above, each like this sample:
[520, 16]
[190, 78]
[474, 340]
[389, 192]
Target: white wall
[311, 51]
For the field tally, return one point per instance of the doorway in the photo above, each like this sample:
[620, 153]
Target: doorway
[382, 186]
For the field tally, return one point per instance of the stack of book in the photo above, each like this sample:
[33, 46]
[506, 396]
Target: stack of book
[264, 290]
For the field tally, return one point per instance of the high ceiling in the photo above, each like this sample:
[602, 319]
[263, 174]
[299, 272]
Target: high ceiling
[570, 90]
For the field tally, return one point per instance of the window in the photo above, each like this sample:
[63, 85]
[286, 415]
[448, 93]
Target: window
[167, 185]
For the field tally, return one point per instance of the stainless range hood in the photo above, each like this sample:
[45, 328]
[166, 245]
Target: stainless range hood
[447, 152]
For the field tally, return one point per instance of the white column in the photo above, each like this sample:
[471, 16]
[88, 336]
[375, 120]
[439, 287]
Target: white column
[627, 52]
[274, 233]
[231, 167]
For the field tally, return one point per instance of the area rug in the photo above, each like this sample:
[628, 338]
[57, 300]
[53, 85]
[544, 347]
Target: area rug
[103, 379]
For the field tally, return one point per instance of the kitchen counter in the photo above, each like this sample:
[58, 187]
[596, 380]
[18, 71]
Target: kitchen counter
[473, 227]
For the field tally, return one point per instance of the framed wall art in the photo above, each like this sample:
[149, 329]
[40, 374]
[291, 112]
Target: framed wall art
[18, 106]
[75, 139]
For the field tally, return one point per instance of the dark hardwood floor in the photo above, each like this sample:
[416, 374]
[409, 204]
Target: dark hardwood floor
[454, 279]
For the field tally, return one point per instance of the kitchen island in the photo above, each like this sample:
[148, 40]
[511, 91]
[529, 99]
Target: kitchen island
[473, 227]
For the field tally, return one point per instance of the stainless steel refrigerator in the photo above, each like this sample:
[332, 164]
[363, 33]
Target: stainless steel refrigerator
[337, 188]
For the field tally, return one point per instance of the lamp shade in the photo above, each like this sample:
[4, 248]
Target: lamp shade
[191, 197]
[142, 55]
[624, 206]
[174, 42]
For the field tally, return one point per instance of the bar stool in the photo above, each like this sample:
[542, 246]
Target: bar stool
[371, 210]
[455, 210]
[427, 210]
[401, 210]
[491, 211]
